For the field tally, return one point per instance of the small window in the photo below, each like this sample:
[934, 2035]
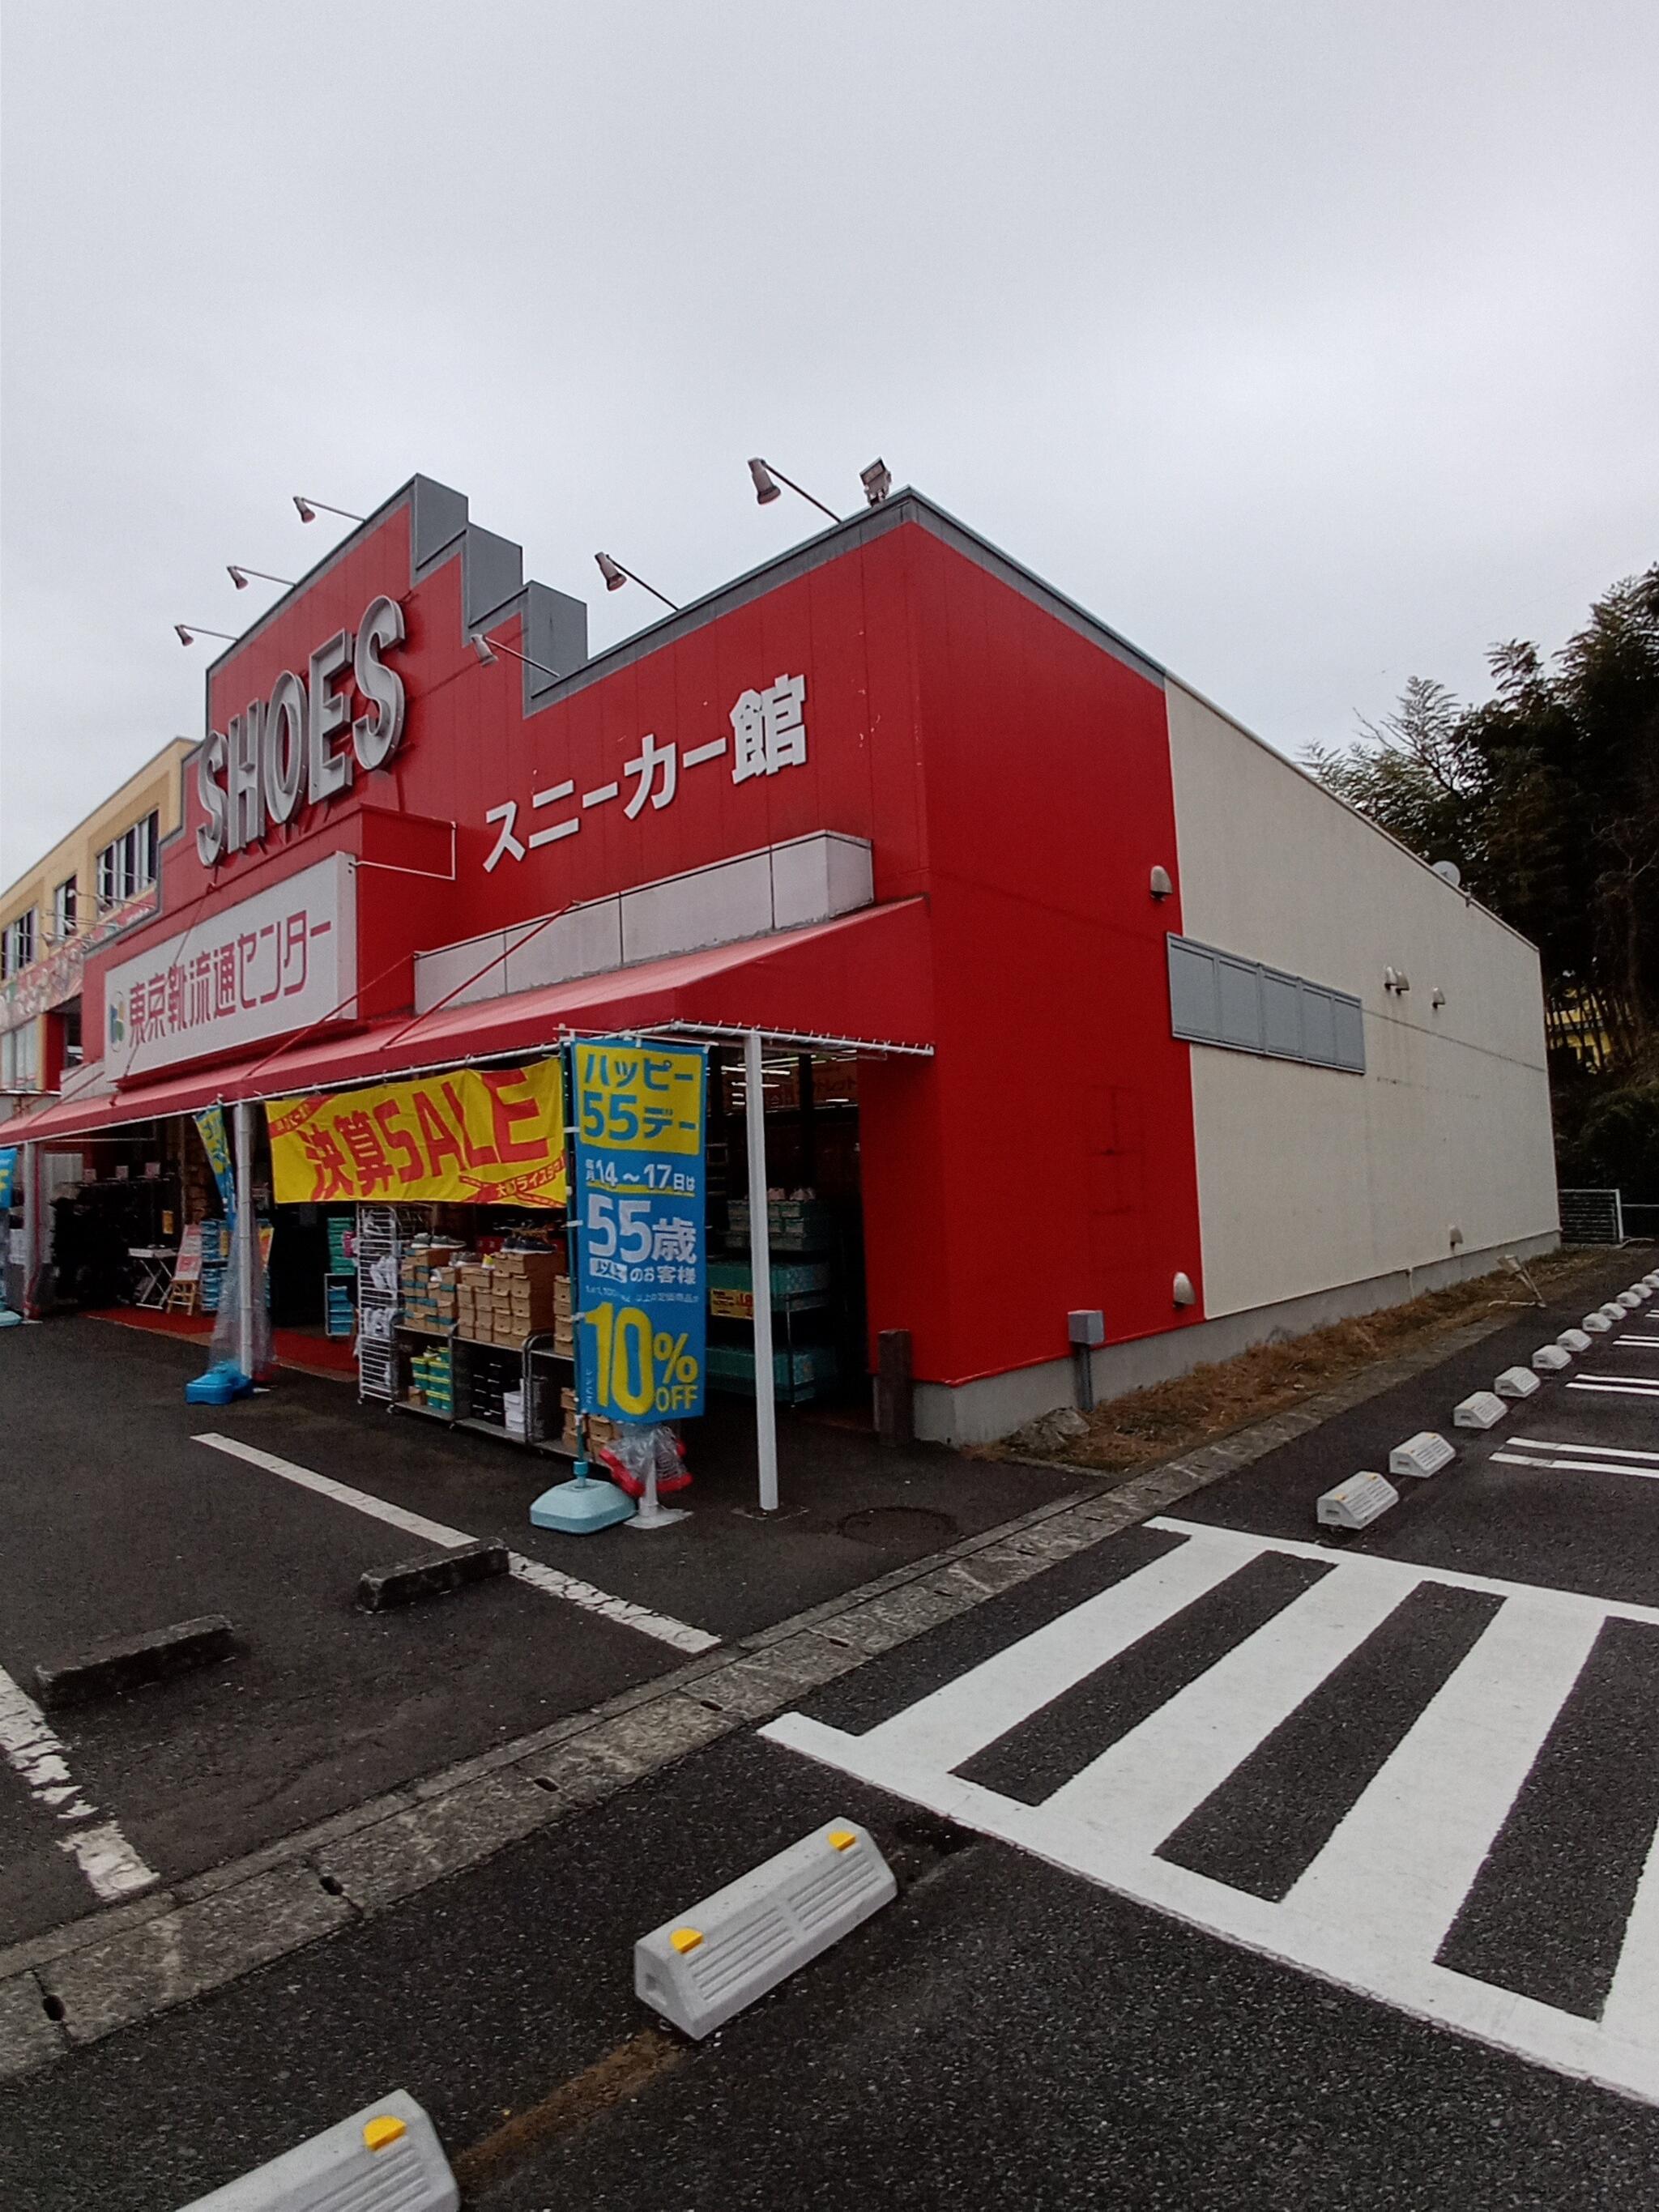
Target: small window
[17, 947]
[128, 863]
[1216, 998]
[1281, 1014]
[1241, 1003]
[1350, 1032]
[1318, 1026]
[63, 910]
[17, 1062]
[1194, 1001]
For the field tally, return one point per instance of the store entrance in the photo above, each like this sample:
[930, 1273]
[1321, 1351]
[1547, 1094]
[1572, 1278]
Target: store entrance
[814, 1214]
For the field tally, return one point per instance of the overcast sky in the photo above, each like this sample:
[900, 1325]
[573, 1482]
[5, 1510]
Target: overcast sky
[1313, 346]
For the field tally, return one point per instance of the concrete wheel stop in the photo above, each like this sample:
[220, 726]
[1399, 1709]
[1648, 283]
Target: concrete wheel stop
[127, 1662]
[433, 1575]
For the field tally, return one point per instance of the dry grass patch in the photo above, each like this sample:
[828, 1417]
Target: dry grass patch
[1169, 1418]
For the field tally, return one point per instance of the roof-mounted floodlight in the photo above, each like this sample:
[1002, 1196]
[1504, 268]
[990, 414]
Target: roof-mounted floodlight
[615, 576]
[877, 481]
[766, 480]
[309, 509]
[240, 577]
[189, 632]
[487, 653]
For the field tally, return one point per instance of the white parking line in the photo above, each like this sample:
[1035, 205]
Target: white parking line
[1574, 1466]
[1633, 1386]
[1602, 1451]
[662, 1626]
[34, 1751]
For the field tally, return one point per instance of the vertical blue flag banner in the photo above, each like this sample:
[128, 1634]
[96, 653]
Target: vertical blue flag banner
[8, 1176]
[215, 1143]
[637, 1205]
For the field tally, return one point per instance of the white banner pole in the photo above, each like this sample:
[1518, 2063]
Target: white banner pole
[34, 1243]
[247, 1233]
[760, 1270]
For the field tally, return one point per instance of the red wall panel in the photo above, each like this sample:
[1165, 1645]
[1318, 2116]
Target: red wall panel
[1001, 764]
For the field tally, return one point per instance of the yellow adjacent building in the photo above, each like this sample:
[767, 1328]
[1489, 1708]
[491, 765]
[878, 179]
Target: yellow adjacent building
[89, 887]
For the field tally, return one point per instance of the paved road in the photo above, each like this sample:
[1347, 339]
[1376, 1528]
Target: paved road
[118, 1520]
[1235, 1818]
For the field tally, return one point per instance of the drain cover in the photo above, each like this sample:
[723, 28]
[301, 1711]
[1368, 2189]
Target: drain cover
[915, 1526]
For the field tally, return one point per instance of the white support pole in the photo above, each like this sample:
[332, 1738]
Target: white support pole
[760, 1270]
[33, 1243]
[247, 1239]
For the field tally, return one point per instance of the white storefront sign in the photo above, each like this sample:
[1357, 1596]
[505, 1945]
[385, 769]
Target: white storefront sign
[276, 962]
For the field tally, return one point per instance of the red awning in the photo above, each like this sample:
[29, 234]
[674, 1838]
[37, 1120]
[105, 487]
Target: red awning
[864, 980]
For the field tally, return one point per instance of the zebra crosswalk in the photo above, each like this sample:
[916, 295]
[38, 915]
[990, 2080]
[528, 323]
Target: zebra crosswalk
[1371, 1771]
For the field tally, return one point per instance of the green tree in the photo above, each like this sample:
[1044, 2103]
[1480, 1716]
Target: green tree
[1546, 796]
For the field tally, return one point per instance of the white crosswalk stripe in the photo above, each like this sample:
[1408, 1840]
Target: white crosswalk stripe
[1374, 1905]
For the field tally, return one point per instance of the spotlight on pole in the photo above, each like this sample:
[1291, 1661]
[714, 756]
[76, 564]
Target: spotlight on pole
[767, 479]
[309, 509]
[240, 577]
[188, 633]
[487, 653]
[615, 576]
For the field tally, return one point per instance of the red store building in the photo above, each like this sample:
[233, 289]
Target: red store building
[1076, 999]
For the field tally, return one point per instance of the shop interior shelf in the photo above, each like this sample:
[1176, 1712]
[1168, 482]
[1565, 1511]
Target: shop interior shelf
[500, 1428]
[420, 1328]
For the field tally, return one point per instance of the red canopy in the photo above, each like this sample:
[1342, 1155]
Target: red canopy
[865, 980]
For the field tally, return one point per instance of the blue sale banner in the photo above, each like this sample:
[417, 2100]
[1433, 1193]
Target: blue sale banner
[215, 1143]
[637, 1206]
[8, 1176]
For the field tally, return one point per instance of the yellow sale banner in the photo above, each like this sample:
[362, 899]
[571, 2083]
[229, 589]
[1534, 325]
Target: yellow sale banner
[474, 1137]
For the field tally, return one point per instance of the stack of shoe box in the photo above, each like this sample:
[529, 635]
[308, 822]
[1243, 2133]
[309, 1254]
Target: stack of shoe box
[525, 1295]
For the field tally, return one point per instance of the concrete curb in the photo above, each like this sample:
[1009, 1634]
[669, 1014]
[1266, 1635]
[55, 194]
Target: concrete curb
[432, 1575]
[81, 1982]
[125, 1662]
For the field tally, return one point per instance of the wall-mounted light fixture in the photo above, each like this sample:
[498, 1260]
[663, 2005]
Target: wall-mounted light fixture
[189, 632]
[615, 576]
[1438, 1000]
[767, 483]
[1162, 888]
[1181, 1290]
[309, 509]
[1396, 979]
[240, 577]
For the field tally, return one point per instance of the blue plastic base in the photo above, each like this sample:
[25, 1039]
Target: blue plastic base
[219, 1386]
[580, 1509]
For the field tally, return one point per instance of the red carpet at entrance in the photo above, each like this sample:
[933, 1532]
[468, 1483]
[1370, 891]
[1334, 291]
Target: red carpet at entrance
[293, 1348]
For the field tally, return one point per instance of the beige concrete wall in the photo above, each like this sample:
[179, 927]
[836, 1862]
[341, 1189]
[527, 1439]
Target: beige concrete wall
[157, 787]
[1308, 1178]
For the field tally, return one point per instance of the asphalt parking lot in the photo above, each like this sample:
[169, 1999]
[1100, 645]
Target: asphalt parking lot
[1173, 2065]
[118, 1521]
[1181, 2054]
